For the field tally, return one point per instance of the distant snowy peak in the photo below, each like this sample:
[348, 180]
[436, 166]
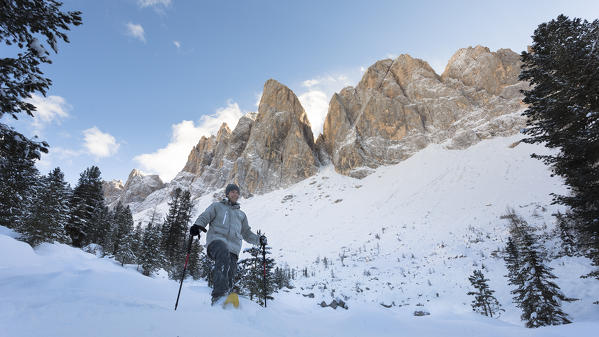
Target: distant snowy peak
[136, 189]
[400, 106]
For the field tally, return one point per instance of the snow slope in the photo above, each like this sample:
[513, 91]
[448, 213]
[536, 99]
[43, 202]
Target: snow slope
[411, 235]
[57, 290]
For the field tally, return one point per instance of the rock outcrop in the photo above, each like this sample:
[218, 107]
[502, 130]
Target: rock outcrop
[135, 190]
[112, 190]
[280, 150]
[400, 106]
[265, 151]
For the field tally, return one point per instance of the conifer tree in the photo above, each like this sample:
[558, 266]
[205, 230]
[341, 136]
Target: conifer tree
[568, 241]
[251, 273]
[206, 265]
[18, 180]
[49, 211]
[125, 253]
[122, 230]
[137, 241]
[484, 302]
[175, 229]
[194, 266]
[536, 294]
[151, 255]
[28, 27]
[513, 263]
[563, 113]
[87, 198]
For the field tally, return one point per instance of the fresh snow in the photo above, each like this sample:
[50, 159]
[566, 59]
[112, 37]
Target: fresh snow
[440, 206]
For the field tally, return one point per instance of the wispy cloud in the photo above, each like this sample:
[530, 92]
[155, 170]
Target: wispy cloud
[154, 3]
[57, 156]
[99, 144]
[169, 160]
[49, 109]
[136, 31]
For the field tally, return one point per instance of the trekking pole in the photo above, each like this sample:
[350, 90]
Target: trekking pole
[184, 268]
[264, 275]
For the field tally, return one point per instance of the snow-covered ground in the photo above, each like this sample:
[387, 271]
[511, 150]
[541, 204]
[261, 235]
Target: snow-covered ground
[409, 234]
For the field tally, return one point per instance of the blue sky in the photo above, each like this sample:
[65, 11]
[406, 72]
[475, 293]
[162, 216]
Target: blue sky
[143, 80]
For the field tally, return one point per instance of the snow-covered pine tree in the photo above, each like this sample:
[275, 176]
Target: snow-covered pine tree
[255, 280]
[484, 302]
[513, 263]
[537, 295]
[194, 266]
[563, 113]
[122, 230]
[18, 178]
[105, 228]
[22, 23]
[206, 265]
[175, 230]
[151, 255]
[568, 241]
[282, 277]
[125, 254]
[137, 239]
[49, 211]
[86, 199]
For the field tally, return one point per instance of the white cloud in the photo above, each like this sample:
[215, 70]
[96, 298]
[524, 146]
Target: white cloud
[154, 3]
[98, 143]
[169, 160]
[177, 44]
[317, 94]
[136, 31]
[49, 109]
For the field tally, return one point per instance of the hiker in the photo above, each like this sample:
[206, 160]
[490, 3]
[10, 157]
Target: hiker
[228, 225]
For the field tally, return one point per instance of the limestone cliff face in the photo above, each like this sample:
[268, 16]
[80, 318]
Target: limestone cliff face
[280, 150]
[402, 105]
[265, 151]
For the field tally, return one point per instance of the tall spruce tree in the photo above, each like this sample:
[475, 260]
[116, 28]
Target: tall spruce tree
[87, 198]
[150, 258]
[536, 294]
[513, 263]
[18, 181]
[484, 302]
[194, 266]
[175, 229]
[122, 234]
[26, 26]
[49, 212]
[563, 113]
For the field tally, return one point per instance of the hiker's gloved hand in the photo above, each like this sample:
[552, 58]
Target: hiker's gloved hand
[195, 230]
[263, 241]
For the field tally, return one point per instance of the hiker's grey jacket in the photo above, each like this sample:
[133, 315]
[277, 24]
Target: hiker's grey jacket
[227, 223]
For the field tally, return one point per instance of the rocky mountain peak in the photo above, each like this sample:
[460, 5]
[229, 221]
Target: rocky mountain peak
[480, 68]
[280, 150]
[402, 105]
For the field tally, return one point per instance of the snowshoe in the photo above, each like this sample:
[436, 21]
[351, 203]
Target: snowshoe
[233, 299]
